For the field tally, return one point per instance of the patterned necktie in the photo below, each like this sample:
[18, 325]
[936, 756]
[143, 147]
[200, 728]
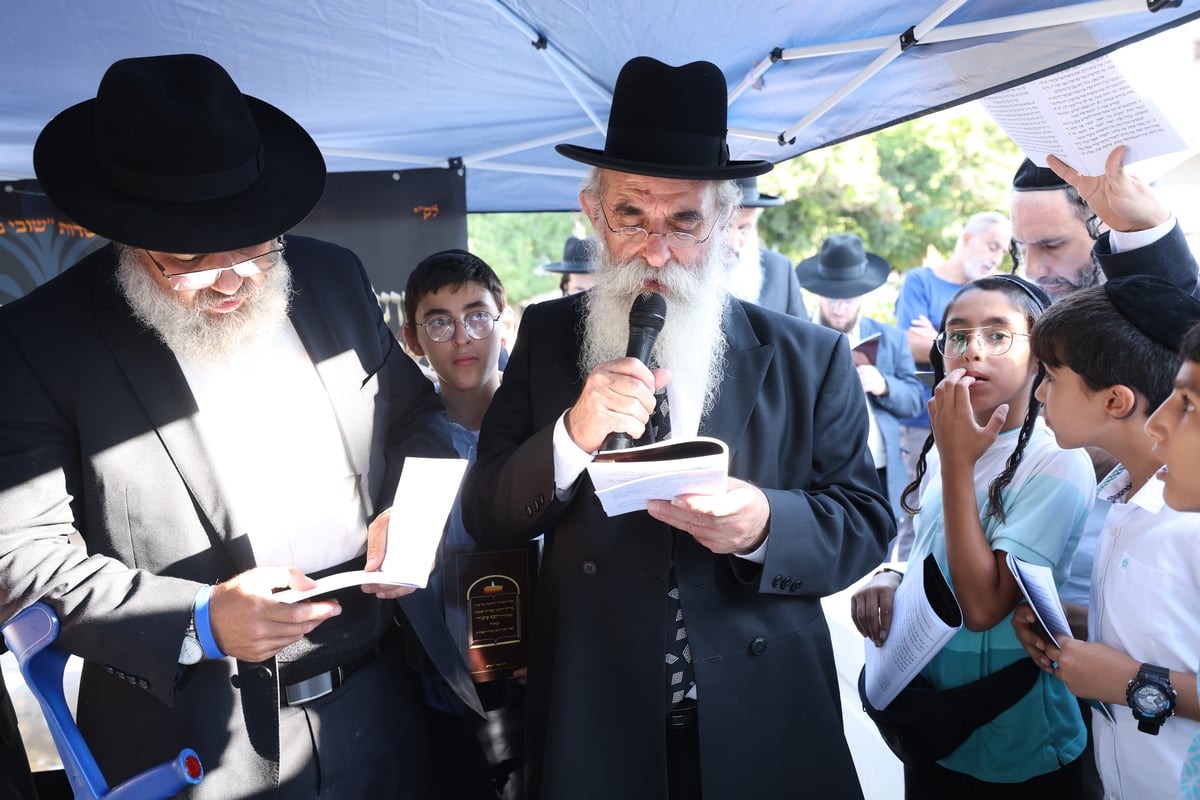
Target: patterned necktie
[681, 675]
[660, 419]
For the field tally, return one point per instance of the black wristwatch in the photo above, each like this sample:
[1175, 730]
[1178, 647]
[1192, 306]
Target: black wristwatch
[1151, 698]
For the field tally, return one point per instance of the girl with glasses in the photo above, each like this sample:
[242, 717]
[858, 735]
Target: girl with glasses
[990, 481]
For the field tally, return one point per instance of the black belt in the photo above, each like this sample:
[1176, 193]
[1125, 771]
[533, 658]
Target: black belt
[323, 683]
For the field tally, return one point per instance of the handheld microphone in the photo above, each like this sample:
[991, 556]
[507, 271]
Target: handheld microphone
[646, 318]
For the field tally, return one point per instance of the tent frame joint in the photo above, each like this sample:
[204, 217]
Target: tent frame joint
[909, 38]
[1159, 5]
[541, 42]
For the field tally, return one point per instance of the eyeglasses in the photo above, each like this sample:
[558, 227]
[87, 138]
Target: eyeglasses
[677, 239]
[243, 265]
[992, 340]
[478, 325]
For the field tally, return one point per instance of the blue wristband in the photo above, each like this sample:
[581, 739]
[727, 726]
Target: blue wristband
[204, 625]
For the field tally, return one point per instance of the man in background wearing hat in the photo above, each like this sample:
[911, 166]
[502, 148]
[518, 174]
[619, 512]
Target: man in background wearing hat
[218, 410]
[575, 267]
[757, 274]
[840, 275]
[682, 648]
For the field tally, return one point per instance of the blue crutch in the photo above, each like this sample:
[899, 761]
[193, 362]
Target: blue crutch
[29, 635]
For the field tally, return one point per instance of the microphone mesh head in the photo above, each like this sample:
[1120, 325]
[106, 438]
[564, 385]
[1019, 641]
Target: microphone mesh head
[649, 310]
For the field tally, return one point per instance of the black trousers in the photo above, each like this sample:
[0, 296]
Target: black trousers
[935, 782]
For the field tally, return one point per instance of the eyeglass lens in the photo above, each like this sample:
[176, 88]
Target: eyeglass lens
[478, 325]
[993, 341]
[204, 278]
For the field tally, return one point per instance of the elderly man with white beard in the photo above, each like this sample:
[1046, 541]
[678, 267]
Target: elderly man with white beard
[680, 650]
[218, 411]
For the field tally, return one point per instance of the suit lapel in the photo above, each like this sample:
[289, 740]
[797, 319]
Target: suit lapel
[155, 377]
[747, 360]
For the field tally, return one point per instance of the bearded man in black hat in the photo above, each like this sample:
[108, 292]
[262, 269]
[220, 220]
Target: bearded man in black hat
[680, 649]
[218, 410]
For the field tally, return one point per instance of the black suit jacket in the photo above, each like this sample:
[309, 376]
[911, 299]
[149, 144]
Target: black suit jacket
[1169, 258]
[792, 413]
[98, 436]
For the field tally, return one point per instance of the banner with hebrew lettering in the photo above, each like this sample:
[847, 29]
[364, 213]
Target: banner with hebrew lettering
[36, 241]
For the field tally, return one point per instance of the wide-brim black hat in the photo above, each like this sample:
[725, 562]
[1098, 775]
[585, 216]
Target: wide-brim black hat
[668, 122]
[843, 268]
[753, 198]
[578, 256]
[171, 156]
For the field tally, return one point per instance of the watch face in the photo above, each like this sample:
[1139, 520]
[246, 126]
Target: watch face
[1150, 700]
[191, 652]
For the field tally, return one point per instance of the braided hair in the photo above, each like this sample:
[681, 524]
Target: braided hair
[1032, 301]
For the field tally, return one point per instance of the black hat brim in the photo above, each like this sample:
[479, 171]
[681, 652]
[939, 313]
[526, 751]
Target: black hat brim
[876, 275]
[289, 186]
[730, 170]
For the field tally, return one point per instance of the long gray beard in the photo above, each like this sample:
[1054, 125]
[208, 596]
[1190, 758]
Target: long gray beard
[188, 330]
[745, 273]
[692, 343]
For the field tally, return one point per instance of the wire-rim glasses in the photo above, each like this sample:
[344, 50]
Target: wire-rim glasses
[194, 280]
[478, 325]
[680, 240]
[992, 339]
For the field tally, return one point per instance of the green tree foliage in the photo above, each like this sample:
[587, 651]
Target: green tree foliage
[515, 245]
[902, 189]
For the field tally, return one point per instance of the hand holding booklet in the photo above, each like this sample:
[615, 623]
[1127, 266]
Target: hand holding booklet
[925, 615]
[422, 504]
[626, 480]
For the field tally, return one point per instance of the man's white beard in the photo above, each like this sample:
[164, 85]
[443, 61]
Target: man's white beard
[189, 330]
[692, 343]
[745, 273]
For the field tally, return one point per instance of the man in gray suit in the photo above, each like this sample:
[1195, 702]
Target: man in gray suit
[219, 412]
[680, 649]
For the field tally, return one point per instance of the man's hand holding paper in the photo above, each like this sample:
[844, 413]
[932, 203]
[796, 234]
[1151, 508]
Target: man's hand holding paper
[731, 522]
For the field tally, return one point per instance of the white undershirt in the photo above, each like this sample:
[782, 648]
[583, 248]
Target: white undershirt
[267, 422]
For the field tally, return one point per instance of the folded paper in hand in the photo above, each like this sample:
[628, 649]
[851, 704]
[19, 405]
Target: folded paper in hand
[423, 501]
[1037, 584]
[626, 480]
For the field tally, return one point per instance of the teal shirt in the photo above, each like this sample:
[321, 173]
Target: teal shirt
[1046, 505]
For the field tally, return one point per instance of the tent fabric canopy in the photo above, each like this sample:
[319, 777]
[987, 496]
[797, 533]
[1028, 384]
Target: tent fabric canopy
[493, 85]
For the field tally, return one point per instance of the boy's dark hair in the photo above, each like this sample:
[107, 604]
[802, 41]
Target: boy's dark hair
[452, 269]
[1190, 348]
[1085, 333]
[1033, 302]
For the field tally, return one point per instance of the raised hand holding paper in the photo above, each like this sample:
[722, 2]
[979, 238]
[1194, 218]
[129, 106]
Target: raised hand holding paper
[423, 501]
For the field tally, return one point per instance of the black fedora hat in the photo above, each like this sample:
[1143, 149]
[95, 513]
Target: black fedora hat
[843, 268]
[668, 122]
[578, 255]
[171, 156]
[753, 198]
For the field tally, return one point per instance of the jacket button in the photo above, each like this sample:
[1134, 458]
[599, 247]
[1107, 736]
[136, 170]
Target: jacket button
[589, 568]
[264, 672]
[235, 680]
[528, 511]
[758, 646]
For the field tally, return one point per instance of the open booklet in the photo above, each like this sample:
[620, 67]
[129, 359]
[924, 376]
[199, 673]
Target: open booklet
[925, 615]
[1080, 114]
[1037, 584]
[626, 480]
[422, 504]
[867, 350]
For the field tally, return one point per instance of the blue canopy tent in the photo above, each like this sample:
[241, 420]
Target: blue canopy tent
[492, 85]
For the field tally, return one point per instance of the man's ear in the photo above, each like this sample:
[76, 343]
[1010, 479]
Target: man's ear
[410, 339]
[1122, 402]
[591, 212]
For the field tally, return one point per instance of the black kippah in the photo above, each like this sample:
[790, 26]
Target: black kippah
[1035, 292]
[1159, 309]
[1032, 178]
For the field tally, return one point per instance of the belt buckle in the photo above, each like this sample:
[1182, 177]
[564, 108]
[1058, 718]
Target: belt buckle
[310, 689]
